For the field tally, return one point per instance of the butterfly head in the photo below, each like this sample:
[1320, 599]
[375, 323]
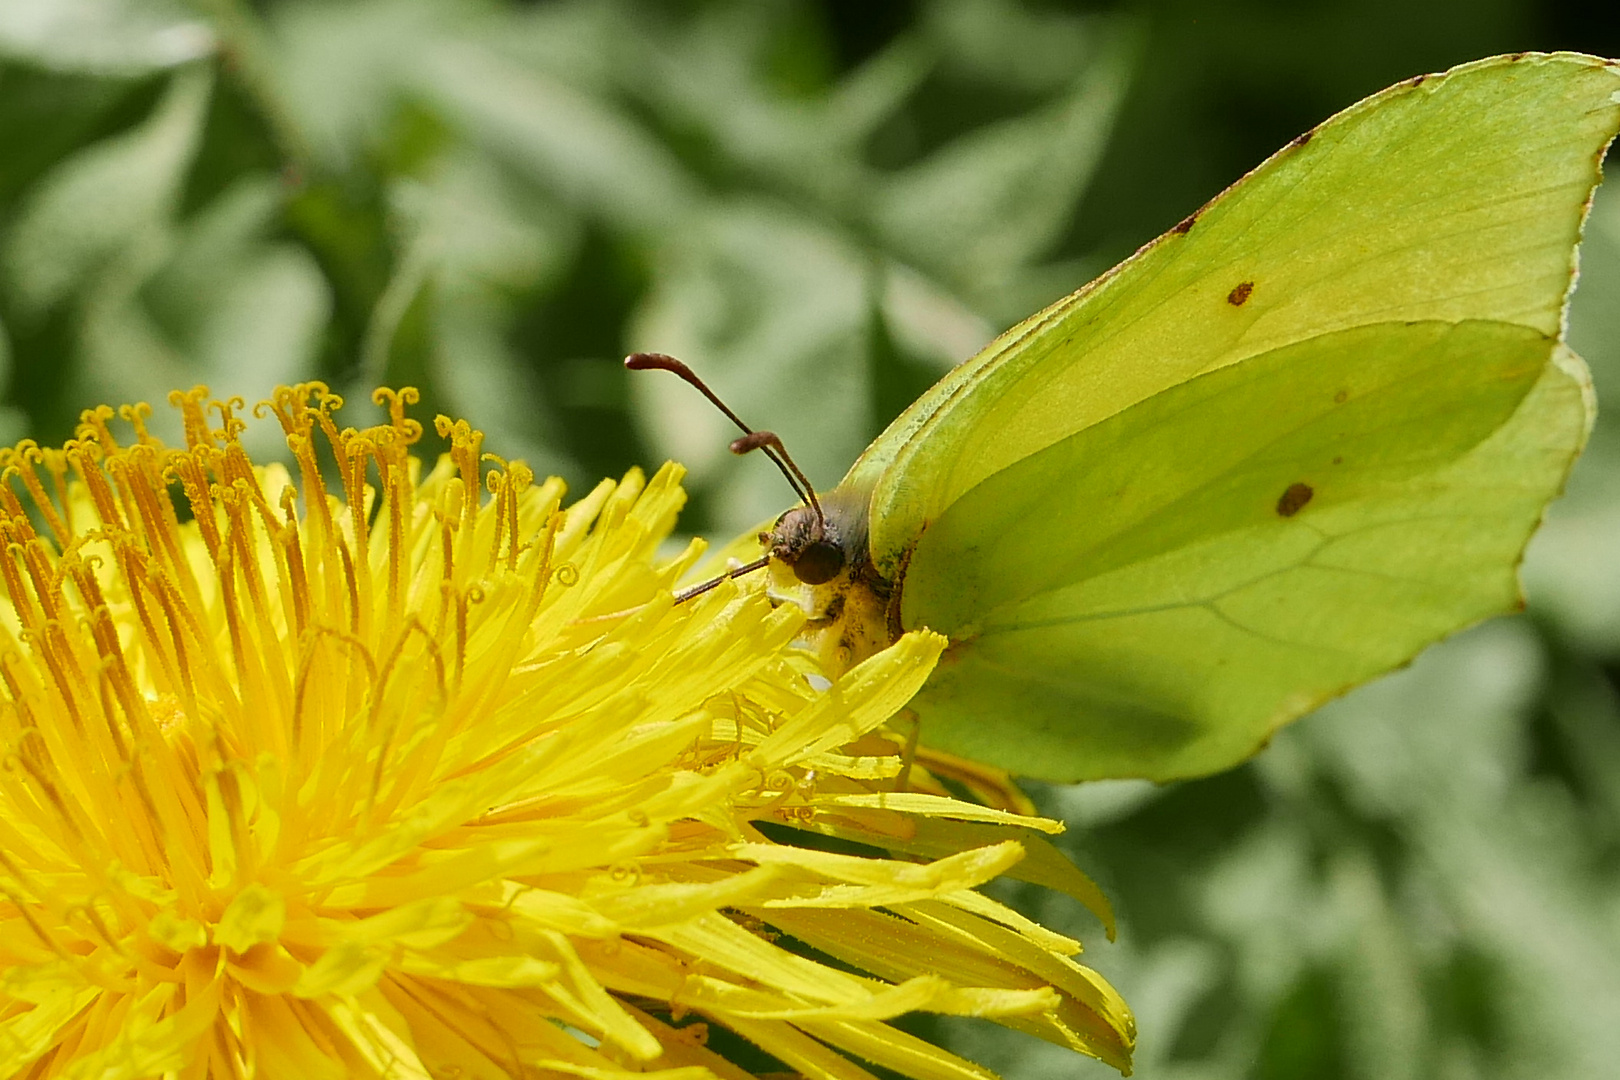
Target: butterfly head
[820, 542]
[808, 544]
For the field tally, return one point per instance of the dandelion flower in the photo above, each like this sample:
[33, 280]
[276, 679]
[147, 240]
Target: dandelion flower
[420, 774]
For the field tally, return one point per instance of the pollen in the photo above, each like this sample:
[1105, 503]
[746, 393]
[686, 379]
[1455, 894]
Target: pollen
[359, 767]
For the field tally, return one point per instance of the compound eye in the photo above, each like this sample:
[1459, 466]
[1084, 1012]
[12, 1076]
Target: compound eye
[819, 563]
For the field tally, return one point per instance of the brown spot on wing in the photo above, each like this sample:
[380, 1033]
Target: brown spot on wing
[1240, 293]
[1341, 397]
[1301, 140]
[1186, 224]
[1293, 499]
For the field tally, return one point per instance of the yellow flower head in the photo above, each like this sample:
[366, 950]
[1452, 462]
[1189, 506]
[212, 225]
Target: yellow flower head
[424, 776]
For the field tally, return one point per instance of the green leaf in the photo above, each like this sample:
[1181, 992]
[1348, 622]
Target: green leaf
[106, 200]
[340, 70]
[1013, 45]
[991, 202]
[103, 37]
[227, 306]
[764, 303]
[582, 148]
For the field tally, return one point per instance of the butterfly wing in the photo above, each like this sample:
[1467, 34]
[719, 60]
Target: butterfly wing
[1094, 507]
[1228, 564]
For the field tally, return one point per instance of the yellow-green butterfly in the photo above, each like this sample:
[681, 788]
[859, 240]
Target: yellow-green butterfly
[1275, 453]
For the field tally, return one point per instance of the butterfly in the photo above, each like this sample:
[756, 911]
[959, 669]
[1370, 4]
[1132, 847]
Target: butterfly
[1275, 453]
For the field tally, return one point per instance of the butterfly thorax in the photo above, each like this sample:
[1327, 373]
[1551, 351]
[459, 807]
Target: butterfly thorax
[823, 562]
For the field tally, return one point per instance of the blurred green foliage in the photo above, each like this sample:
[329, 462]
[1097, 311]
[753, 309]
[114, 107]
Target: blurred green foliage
[821, 206]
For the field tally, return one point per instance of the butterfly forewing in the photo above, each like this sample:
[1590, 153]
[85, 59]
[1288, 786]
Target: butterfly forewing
[1457, 196]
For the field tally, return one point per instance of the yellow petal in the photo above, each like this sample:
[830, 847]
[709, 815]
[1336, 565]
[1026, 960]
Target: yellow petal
[254, 915]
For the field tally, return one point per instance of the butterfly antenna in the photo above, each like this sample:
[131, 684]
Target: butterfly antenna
[772, 445]
[751, 439]
[704, 586]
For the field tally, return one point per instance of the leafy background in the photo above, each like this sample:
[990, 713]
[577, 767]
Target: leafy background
[822, 206]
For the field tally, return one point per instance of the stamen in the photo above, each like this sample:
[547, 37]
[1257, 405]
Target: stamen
[19, 700]
[354, 589]
[463, 597]
[192, 474]
[292, 554]
[115, 671]
[354, 453]
[109, 714]
[495, 484]
[466, 445]
[135, 416]
[23, 908]
[231, 607]
[306, 660]
[405, 772]
[189, 402]
[21, 598]
[447, 568]
[268, 673]
[36, 558]
[159, 527]
[152, 830]
[518, 479]
[56, 464]
[94, 421]
[13, 518]
[46, 644]
[161, 588]
[32, 456]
